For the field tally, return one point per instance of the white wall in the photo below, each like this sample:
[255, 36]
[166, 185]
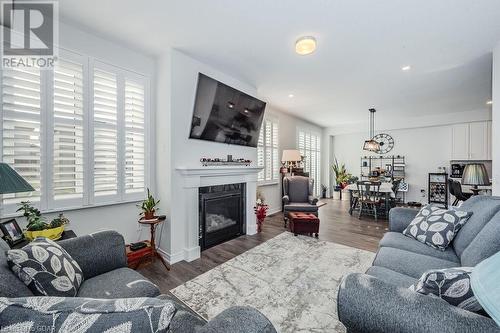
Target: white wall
[287, 140]
[425, 149]
[496, 121]
[122, 217]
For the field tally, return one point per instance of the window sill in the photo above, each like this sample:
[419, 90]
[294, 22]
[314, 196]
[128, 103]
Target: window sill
[267, 183]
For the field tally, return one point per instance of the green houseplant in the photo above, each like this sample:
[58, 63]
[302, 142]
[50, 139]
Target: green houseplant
[342, 177]
[149, 206]
[37, 224]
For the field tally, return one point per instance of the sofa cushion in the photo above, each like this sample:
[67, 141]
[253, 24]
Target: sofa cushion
[451, 284]
[74, 314]
[46, 268]
[409, 263]
[484, 245]
[391, 276]
[399, 241]
[436, 226]
[10, 285]
[484, 208]
[118, 283]
[300, 206]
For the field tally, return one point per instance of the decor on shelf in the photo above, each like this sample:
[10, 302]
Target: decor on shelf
[371, 144]
[260, 212]
[475, 174]
[291, 158]
[221, 162]
[37, 224]
[385, 142]
[12, 233]
[149, 207]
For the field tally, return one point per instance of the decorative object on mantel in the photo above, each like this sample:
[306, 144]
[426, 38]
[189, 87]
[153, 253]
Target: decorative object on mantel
[149, 207]
[224, 162]
[371, 144]
[475, 174]
[37, 225]
[260, 210]
[291, 158]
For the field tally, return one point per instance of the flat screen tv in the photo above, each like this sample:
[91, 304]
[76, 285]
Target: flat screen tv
[224, 114]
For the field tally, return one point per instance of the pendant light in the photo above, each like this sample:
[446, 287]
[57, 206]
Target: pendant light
[370, 144]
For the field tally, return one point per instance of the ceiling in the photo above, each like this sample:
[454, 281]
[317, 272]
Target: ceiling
[362, 45]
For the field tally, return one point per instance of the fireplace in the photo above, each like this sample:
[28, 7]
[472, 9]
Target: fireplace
[222, 213]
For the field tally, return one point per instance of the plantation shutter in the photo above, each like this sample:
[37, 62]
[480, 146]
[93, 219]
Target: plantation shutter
[274, 147]
[260, 155]
[268, 152]
[21, 120]
[134, 137]
[105, 111]
[309, 147]
[68, 131]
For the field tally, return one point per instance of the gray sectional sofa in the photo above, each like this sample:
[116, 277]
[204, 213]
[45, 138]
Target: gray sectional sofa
[101, 256]
[380, 301]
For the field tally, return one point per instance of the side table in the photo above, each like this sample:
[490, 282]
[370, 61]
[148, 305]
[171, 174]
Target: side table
[151, 252]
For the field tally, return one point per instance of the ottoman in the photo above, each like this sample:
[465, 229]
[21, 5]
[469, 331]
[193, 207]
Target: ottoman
[303, 223]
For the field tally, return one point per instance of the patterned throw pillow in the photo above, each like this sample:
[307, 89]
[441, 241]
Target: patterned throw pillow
[75, 314]
[451, 284]
[46, 268]
[436, 226]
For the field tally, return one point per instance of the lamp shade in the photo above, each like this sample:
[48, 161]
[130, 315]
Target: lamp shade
[291, 155]
[486, 287]
[11, 181]
[475, 174]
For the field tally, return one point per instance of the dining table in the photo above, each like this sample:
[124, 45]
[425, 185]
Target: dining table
[385, 189]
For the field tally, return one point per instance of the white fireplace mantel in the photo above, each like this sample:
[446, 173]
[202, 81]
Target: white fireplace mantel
[192, 178]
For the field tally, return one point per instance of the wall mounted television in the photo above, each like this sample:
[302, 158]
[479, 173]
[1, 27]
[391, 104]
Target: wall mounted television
[224, 114]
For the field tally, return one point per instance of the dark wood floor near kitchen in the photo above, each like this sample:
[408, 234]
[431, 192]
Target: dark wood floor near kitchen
[336, 226]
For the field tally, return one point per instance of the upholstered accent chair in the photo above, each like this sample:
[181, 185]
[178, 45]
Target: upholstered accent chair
[299, 195]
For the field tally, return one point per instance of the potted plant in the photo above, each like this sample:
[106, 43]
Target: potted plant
[149, 207]
[323, 191]
[342, 177]
[37, 224]
[260, 212]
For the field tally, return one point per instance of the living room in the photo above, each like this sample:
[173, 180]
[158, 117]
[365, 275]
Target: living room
[287, 168]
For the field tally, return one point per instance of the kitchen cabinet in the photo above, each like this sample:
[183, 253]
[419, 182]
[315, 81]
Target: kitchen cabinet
[471, 141]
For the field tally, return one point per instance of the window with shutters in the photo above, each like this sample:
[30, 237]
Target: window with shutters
[77, 133]
[68, 162]
[21, 124]
[267, 152]
[309, 145]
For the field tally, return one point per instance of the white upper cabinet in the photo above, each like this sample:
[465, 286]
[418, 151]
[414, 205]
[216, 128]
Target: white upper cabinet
[471, 141]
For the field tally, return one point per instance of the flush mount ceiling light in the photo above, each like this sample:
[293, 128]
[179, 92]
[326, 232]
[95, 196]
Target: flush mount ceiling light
[406, 68]
[291, 95]
[305, 45]
[371, 144]
[489, 102]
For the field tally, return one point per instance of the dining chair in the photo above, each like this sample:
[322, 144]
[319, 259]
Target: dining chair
[455, 189]
[370, 198]
[395, 189]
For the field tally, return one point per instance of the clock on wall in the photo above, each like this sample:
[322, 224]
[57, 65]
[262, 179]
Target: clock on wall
[385, 141]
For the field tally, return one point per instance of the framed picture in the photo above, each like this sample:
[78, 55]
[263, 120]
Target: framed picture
[12, 233]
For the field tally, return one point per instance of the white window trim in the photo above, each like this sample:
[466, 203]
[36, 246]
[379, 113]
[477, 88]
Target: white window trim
[270, 182]
[47, 204]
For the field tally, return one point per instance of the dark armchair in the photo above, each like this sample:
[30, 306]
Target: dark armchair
[299, 195]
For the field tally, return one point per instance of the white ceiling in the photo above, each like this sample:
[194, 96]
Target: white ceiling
[362, 45]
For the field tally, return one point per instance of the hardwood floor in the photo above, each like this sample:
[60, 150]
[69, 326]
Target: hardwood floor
[336, 226]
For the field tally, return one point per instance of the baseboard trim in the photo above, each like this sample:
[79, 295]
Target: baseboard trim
[171, 259]
[274, 211]
[192, 253]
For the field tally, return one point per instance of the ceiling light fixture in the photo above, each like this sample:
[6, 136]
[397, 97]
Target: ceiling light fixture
[305, 45]
[489, 102]
[406, 68]
[371, 144]
[291, 95]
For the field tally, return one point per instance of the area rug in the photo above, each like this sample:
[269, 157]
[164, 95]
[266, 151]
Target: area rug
[291, 279]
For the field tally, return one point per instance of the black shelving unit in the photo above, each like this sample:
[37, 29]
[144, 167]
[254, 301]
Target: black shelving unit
[393, 166]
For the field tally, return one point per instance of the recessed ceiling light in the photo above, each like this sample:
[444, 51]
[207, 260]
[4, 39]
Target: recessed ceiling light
[305, 45]
[489, 102]
[406, 68]
[291, 95]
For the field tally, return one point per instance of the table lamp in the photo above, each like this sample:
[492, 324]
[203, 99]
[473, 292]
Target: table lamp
[290, 157]
[485, 285]
[475, 174]
[12, 182]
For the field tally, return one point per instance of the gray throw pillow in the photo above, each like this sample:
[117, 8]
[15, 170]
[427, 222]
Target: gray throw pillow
[436, 226]
[46, 268]
[74, 314]
[451, 284]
